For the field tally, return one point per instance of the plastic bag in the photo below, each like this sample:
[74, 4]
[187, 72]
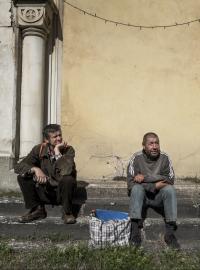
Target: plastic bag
[109, 228]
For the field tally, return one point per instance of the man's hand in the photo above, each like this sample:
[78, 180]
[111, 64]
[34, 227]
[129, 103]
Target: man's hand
[40, 177]
[58, 146]
[139, 178]
[161, 184]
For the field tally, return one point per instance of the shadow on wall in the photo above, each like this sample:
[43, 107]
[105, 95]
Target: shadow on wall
[119, 178]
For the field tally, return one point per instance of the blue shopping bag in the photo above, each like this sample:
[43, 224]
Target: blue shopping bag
[106, 215]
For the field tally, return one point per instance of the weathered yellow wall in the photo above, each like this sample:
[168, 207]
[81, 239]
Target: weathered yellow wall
[121, 82]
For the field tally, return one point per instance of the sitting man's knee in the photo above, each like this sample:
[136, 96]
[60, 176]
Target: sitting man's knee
[169, 190]
[67, 180]
[137, 189]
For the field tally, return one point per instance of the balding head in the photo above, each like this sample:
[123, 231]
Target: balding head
[151, 145]
[149, 135]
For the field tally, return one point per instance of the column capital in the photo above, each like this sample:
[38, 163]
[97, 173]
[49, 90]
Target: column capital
[35, 14]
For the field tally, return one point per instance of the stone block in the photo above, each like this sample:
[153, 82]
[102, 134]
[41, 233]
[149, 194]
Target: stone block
[5, 13]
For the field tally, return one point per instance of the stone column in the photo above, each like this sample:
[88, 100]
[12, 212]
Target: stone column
[35, 22]
[55, 66]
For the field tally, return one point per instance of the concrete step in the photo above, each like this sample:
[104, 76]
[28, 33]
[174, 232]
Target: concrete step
[49, 227]
[12, 206]
[113, 196]
[109, 189]
[117, 189]
[186, 208]
[188, 229]
[53, 227]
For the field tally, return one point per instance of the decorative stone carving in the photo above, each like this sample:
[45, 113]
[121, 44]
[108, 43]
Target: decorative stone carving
[31, 15]
[35, 15]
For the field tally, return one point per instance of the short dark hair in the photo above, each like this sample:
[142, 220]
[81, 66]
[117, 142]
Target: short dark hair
[51, 128]
[147, 135]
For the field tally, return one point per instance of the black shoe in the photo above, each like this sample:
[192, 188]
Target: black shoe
[135, 235]
[135, 240]
[171, 241]
[34, 214]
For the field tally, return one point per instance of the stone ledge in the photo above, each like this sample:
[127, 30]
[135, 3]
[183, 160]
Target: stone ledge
[103, 189]
[153, 229]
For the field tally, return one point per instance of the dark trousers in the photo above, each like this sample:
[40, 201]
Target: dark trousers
[40, 194]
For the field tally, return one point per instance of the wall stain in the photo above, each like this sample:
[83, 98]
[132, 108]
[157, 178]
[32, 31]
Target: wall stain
[117, 163]
[190, 154]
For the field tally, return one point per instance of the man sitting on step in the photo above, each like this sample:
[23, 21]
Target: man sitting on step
[47, 175]
[150, 179]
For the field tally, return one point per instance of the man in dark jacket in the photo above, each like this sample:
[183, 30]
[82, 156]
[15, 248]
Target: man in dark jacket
[150, 177]
[47, 175]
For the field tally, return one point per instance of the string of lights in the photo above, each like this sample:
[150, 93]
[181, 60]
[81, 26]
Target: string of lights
[130, 24]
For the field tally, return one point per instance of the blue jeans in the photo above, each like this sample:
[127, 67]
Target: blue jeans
[163, 202]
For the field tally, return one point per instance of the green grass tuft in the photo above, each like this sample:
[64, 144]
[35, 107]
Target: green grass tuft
[80, 257]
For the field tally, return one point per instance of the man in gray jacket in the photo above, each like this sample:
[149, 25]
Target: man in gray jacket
[150, 177]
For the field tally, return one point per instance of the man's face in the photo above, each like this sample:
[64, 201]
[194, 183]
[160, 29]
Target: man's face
[55, 138]
[152, 147]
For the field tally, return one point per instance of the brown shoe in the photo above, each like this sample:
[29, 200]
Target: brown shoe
[69, 219]
[33, 214]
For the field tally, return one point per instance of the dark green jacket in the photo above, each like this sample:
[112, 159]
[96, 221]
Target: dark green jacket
[54, 169]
